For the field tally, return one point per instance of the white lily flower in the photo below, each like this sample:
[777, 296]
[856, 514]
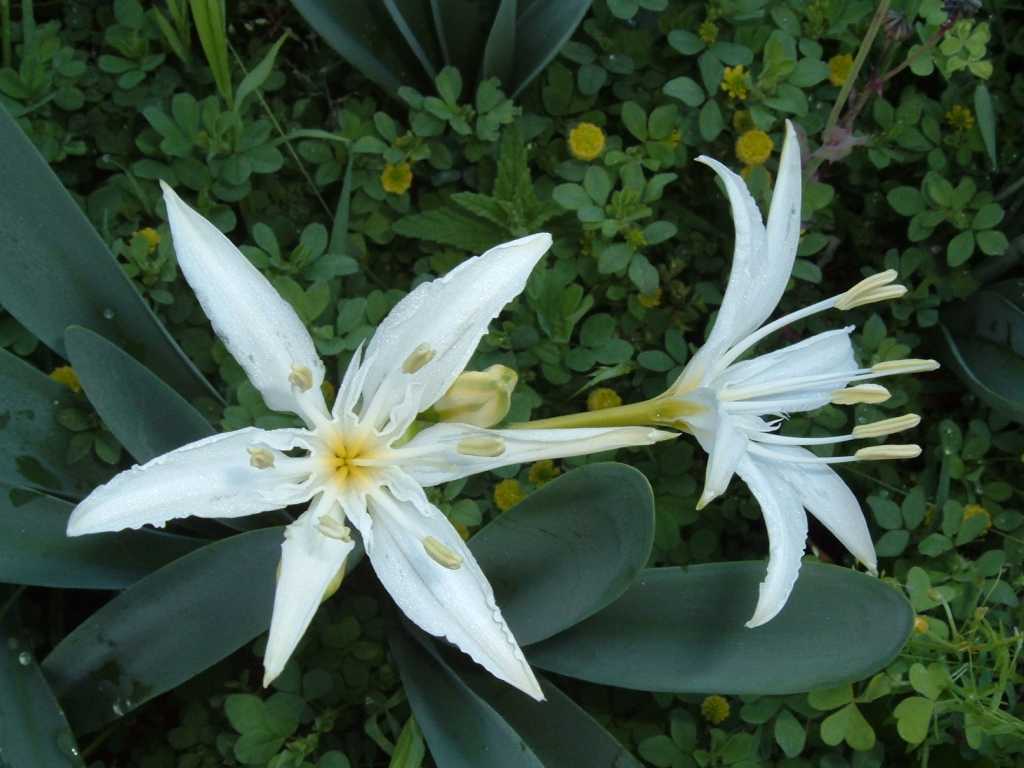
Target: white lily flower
[349, 463]
[735, 408]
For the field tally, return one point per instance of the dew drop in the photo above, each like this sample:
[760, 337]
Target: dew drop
[66, 744]
[24, 658]
[118, 709]
[108, 313]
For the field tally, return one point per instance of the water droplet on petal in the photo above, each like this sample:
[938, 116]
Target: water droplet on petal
[108, 313]
[24, 658]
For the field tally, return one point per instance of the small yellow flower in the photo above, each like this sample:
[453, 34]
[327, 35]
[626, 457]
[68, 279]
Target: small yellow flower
[650, 300]
[66, 375]
[675, 138]
[151, 236]
[960, 118]
[708, 32]
[542, 471]
[715, 709]
[635, 238]
[508, 493]
[920, 625]
[839, 68]
[734, 82]
[976, 510]
[586, 141]
[754, 147]
[603, 397]
[396, 179]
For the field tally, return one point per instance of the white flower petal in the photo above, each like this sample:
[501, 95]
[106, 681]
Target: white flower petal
[829, 499]
[259, 328]
[728, 445]
[430, 335]
[787, 535]
[454, 603]
[782, 235]
[439, 453]
[310, 561]
[212, 477]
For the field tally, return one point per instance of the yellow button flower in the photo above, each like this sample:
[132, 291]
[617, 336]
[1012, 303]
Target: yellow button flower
[397, 178]
[603, 397]
[543, 471]
[151, 236]
[839, 68]
[920, 625]
[650, 300]
[66, 375]
[508, 493]
[708, 32]
[734, 82]
[754, 147]
[715, 709]
[960, 118]
[586, 141]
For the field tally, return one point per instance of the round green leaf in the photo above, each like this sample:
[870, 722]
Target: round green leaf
[166, 628]
[686, 90]
[568, 550]
[913, 715]
[838, 625]
[36, 550]
[960, 249]
[482, 721]
[33, 730]
[906, 201]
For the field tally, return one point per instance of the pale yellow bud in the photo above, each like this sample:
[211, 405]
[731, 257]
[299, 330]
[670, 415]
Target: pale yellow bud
[480, 398]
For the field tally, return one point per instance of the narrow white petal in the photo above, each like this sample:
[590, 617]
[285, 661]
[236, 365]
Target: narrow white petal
[787, 535]
[830, 500]
[456, 603]
[439, 453]
[728, 445]
[213, 477]
[430, 335]
[259, 328]
[310, 561]
[782, 234]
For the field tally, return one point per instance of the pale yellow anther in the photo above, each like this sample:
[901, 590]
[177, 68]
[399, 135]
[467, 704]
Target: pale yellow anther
[909, 365]
[887, 426]
[333, 529]
[260, 457]
[419, 357]
[887, 452]
[862, 393]
[441, 554]
[481, 446]
[301, 378]
[870, 290]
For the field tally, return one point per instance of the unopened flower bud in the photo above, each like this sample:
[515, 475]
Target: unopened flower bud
[480, 398]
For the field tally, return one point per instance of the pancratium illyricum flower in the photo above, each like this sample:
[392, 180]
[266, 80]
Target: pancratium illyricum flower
[350, 464]
[734, 407]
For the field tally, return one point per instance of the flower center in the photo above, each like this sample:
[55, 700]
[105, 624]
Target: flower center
[351, 458]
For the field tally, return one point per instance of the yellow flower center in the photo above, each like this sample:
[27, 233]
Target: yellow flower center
[960, 118]
[734, 82]
[715, 709]
[586, 141]
[839, 68]
[351, 458]
[396, 179]
[754, 147]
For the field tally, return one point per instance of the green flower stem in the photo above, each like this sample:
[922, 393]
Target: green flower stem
[656, 412]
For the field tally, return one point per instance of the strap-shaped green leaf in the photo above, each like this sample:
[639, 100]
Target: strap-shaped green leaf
[471, 719]
[58, 272]
[568, 550]
[33, 730]
[543, 28]
[35, 549]
[682, 630]
[33, 445]
[166, 628]
[145, 415]
[413, 18]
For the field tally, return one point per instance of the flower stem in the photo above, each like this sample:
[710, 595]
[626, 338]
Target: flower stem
[660, 411]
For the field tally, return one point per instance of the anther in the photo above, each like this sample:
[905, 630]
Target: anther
[862, 393]
[441, 554]
[260, 457]
[886, 452]
[910, 365]
[419, 357]
[887, 426]
[870, 290]
[301, 378]
[481, 446]
[334, 529]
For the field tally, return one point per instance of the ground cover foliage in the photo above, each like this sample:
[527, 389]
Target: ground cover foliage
[346, 190]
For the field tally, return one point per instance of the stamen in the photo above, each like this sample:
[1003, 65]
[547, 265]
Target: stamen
[887, 426]
[419, 357]
[333, 529]
[481, 446]
[301, 378]
[909, 365]
[441, 554]
[862, 393]
[870, 290]
[886, 452]
[260, 457]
